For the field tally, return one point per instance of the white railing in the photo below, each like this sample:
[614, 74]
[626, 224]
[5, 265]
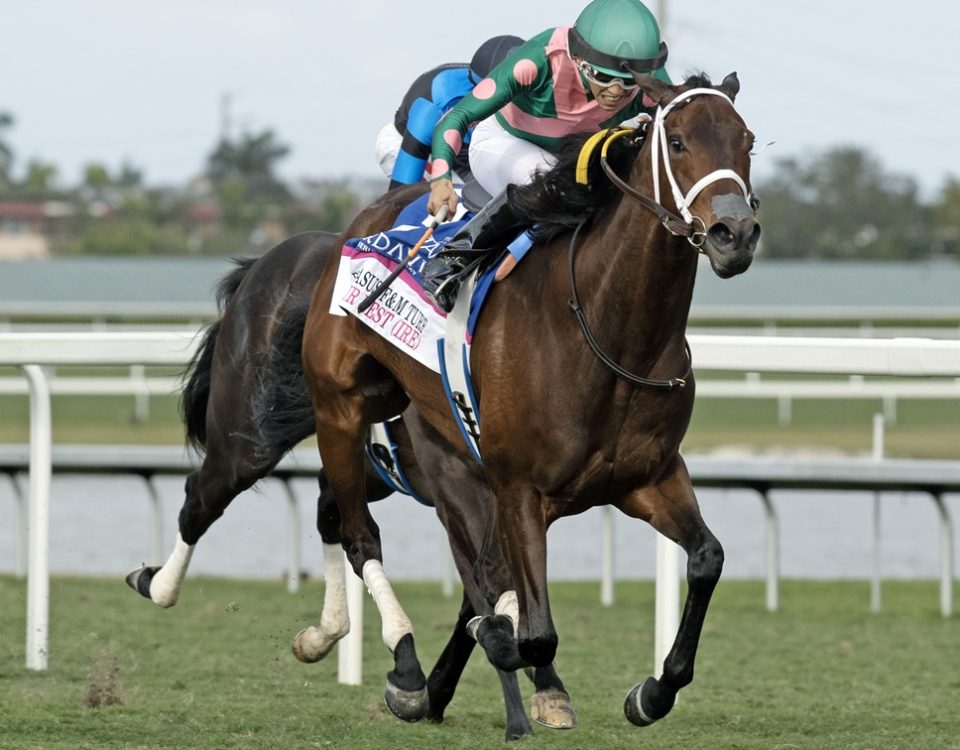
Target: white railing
[33, 351]
[888, 391]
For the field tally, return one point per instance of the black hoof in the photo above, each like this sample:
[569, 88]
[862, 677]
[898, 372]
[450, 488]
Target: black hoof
[139, 580]
[648, 702]
[519, 730]
[407, 705]
[495, 635]
[406, 690]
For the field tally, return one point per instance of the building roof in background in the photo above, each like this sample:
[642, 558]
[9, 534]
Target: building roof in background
[102, 286]
[784, 290]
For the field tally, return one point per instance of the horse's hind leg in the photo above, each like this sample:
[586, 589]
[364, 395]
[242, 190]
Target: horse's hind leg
[342, 454]
[313, 643]
[449, 667]
[671, 508]
[209, 490]
[342, 412]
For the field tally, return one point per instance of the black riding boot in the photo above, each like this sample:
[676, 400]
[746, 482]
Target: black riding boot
[489, 230]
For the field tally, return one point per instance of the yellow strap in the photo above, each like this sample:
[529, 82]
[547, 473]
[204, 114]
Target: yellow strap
[586, 151]
[613, 136]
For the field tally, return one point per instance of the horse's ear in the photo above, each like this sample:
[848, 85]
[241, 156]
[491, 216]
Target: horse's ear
[662, 93]
[730, 86]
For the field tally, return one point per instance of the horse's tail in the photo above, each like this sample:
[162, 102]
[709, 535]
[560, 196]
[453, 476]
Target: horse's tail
[281, 406]
[195, 393]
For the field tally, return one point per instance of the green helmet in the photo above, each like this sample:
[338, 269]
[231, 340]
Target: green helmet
[615, 36]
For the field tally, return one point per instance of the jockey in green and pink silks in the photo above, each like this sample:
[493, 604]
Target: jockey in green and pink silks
[566, 80]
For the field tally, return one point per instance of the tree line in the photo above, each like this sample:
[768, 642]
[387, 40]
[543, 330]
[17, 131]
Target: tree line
[840, 203]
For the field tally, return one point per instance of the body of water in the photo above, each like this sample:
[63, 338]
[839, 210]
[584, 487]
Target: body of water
[101, 526]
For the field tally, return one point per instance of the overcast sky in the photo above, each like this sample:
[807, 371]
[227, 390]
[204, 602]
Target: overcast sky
[108, 80]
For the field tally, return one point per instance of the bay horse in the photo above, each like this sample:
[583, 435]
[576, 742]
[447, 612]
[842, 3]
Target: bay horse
[245, 404]
[575, 410]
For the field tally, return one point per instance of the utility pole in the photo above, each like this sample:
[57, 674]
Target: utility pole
[662, 16]
[226, 125]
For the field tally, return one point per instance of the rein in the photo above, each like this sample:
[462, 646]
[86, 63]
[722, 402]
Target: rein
[599, 353]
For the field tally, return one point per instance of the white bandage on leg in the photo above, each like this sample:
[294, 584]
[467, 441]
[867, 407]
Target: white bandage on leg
[335, 619]
[508, 605]
[396, 624]
[315, 642]
[165, 586]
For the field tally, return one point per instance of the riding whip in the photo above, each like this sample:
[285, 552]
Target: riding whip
[383, 285]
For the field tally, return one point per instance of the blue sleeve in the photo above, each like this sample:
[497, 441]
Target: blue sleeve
[415, 149]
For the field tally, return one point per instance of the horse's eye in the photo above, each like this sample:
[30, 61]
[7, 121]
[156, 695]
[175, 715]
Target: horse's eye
[676, 145]
[754, 203]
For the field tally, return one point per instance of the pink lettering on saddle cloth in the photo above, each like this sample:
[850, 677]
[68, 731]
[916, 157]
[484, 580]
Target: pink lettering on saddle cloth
[403, 314]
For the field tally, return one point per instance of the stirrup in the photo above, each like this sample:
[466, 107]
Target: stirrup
[445, 295]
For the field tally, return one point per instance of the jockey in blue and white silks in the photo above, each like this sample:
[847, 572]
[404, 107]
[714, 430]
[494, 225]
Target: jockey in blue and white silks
[403, 146]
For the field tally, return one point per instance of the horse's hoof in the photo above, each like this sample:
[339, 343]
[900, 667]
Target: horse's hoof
[647, 702]
[312, 644]
[139, 580]
[552, 708]
[407, 705]
[518, 729]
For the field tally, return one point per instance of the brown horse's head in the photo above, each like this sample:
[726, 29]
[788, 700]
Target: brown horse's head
[698, 151]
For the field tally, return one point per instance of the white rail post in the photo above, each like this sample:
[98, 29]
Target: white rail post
[606, 580]
[876, 599]
[41, 469]
[667, 616]
[946, 557]
[773, 553]
[350, 647]
[141, 398]
[449, 572]
[293, 539]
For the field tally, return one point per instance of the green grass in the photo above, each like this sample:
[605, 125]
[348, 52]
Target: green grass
[216, 671]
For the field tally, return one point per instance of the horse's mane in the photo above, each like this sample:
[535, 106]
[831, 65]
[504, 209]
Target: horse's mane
[556, 202]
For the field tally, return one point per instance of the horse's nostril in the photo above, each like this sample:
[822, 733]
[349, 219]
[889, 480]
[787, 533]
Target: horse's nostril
[721, 235]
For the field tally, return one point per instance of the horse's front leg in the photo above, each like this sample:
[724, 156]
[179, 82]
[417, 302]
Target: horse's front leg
[671, 508]
[521, 525]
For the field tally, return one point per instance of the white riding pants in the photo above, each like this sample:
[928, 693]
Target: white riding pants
[387, 147]
[498, 158]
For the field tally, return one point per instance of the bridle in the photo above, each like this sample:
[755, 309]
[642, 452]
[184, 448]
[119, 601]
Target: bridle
[683, 225]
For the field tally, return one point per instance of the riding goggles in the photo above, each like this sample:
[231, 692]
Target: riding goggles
[605, 80]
